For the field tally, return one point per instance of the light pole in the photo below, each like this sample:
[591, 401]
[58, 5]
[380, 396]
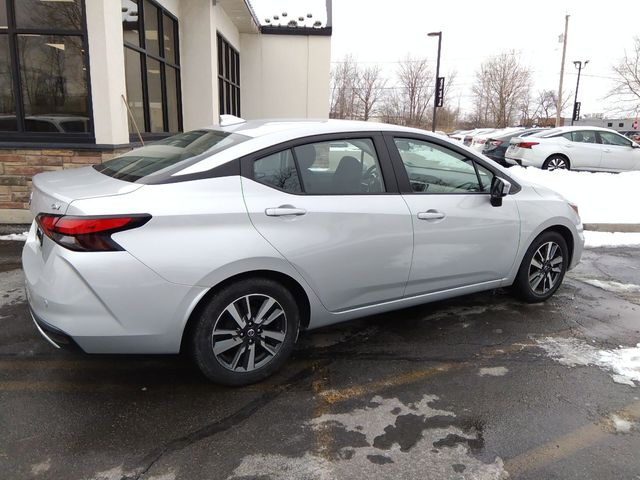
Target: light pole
[579, 65]
[435, 100]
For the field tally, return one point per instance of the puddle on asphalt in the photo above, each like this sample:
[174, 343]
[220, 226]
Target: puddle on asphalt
[391, 440]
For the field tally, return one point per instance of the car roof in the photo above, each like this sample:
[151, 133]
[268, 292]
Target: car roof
[303, 127]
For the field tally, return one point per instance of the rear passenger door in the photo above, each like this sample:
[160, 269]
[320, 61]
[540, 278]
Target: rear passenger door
[584, 149]
[331, 206]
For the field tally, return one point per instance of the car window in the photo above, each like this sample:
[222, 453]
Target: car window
[610, 138]
[435, 169]
[279, 171]
[161, 159]
[584, 136]
[486, 177]
[340, 167]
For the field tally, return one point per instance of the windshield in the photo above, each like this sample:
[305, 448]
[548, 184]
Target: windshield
[162, 159]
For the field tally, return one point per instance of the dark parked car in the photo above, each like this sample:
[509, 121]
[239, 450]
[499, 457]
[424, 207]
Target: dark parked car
[496, 147]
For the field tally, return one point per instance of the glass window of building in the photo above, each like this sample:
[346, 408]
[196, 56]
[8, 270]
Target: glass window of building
[44, 91]
[152, 68]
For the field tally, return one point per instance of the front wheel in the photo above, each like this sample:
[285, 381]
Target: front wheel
[556, 162]
[543, 268]
[246, 332]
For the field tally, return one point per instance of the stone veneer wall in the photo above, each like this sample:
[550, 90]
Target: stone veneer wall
[17, 166]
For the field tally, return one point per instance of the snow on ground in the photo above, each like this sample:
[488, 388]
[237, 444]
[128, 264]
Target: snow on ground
[623, 364]
[610, 239]
[601, 197]
[20, 237]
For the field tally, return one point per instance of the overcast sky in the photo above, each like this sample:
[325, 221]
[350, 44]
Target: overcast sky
[384, 32]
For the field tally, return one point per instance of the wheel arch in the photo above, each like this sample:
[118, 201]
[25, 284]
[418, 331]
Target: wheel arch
[299, 293]
[566, 234]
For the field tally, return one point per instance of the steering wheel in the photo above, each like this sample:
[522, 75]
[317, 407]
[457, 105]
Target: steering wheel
[468, 186]
[371, 179]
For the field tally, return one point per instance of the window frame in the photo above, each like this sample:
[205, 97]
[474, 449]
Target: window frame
[402, 176]
[386, 169]
[145, 130]
[228, 56]
[21, 135]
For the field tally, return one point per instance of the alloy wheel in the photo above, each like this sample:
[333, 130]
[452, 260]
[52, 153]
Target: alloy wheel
[557, 164]
[249, 333]
[545, 268]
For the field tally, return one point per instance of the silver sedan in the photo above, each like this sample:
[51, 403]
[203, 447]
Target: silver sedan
[227, 242]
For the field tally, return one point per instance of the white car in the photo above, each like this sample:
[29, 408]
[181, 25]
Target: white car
[575, 148]
[468, 138]
[226, 242]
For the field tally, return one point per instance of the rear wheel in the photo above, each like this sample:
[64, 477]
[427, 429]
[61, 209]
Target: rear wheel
[246, 332]
[556, 162]
[543, 268]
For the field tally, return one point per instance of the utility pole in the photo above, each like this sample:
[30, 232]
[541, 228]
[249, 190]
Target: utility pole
[564, 54]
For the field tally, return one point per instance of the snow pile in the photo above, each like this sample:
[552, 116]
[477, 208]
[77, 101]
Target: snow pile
[622, 364]
[601, 197]
[20, 237]
[615, 239]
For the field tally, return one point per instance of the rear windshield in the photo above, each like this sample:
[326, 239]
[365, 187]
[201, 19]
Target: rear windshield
[159, 160]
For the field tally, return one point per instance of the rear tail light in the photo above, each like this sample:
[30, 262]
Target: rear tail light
[495, 143]
[528, 144]
[481, 141]
[88, 234]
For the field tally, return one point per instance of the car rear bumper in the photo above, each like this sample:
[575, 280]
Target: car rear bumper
[53, 335]
[104, 302]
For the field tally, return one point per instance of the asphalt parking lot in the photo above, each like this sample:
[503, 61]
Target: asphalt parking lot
[480, 387]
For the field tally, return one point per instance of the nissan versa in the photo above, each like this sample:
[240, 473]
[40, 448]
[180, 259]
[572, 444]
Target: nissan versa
[227, 242]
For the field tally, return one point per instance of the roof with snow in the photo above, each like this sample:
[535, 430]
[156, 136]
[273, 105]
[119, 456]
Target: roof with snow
[292, 17]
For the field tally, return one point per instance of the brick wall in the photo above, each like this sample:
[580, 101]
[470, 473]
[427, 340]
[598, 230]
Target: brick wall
[18, 166]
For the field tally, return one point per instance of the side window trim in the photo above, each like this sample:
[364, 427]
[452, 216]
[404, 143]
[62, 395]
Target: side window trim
[387, 170]
[401, 172]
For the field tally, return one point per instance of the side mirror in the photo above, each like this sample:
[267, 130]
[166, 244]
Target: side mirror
[635, 145]
[499, 188]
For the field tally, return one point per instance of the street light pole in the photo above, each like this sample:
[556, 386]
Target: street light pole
[435, 100]
[579, 65]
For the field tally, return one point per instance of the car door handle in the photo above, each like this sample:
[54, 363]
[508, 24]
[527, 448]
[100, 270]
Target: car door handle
[283, 211]
[431, 215]
[607, 150]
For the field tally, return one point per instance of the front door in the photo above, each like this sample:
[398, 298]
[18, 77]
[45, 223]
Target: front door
[460, 238]
[329, 210]
[618, 153]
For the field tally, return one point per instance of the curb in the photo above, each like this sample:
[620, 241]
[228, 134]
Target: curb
[613, 227]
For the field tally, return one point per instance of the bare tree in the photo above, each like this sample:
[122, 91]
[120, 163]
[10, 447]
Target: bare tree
[343, 80]
[369, 85]
[501, 85]
[415, 80]
[626, 92]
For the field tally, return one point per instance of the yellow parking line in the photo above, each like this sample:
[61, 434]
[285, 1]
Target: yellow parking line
[336, 396]
[567, 445]
[333, 396]
[322, 434]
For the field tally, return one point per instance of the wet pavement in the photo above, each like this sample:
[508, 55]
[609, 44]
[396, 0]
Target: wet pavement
[478, 387]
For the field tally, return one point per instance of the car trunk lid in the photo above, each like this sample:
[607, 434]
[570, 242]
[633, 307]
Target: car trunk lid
[53, 192]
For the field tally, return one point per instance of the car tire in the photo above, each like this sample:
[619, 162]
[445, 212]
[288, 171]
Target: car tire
[234, 342]
[537, 279]
[556, 162]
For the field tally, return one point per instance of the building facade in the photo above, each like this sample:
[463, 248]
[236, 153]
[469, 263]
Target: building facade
[82, 80]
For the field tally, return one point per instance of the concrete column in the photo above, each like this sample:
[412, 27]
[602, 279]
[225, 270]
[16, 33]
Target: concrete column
[106, 55]
[198, 64]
